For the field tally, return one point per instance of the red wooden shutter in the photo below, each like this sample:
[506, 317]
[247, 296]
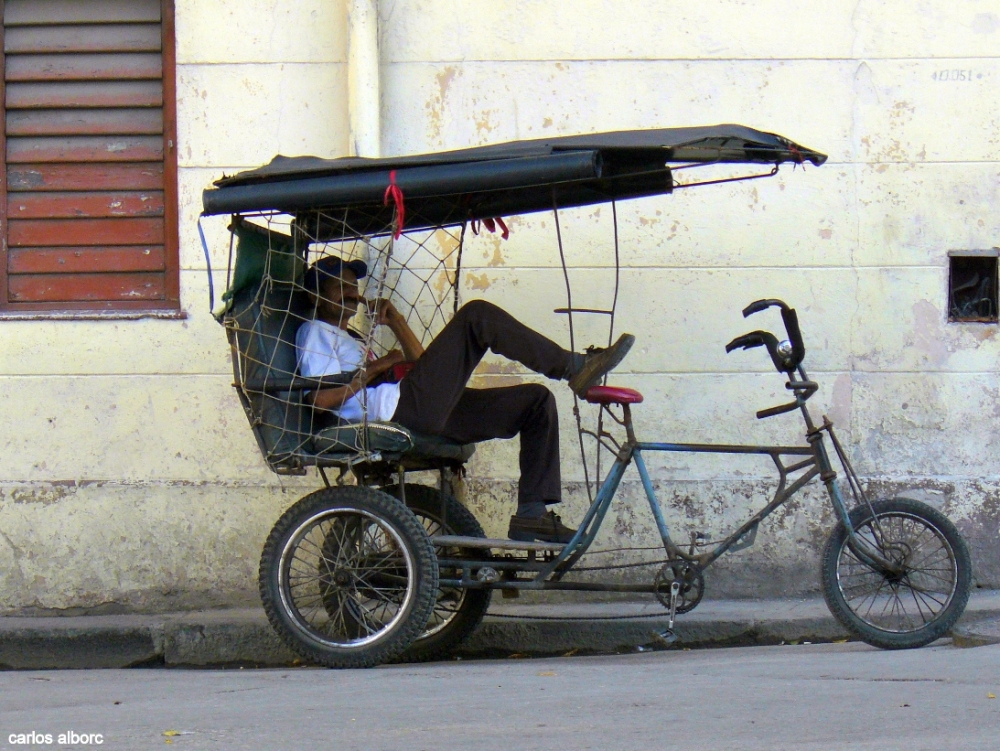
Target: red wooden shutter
[90, 168]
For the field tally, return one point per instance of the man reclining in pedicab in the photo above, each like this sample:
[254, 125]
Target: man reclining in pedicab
[432, 398]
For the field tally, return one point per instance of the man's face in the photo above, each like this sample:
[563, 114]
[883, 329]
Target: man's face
[339, 298]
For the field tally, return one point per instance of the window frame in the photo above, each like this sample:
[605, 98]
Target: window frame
[989, 254]
[169, 307]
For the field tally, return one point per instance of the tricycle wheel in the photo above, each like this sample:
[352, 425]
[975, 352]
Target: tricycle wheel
[348, 577]
[457, 612]
[914, 605]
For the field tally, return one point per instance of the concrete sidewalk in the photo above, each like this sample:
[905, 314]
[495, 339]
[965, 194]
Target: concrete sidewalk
[229, 637]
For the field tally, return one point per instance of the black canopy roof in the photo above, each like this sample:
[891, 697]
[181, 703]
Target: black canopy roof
[499, 180]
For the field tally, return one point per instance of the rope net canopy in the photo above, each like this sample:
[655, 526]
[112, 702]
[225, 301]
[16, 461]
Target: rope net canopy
[405, 219]
[270, 298]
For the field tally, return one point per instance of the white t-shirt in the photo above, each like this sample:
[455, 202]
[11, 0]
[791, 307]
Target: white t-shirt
[323, 349]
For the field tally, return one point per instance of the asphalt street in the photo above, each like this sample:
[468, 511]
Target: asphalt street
[827, 696]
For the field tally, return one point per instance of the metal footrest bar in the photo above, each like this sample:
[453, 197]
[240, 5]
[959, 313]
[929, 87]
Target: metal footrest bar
[455, 541]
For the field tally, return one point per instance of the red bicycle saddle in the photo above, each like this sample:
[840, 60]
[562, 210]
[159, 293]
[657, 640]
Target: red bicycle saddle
[612, 395]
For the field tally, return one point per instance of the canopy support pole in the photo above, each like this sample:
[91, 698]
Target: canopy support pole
[364, 93]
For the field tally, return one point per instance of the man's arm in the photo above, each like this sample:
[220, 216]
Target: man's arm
[386, 313]
[334, 398]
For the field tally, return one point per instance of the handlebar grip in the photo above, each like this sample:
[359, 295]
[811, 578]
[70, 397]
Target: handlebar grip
[747, 341]
[758, 339]
[772, 411]
[791, 321]
[758, 305]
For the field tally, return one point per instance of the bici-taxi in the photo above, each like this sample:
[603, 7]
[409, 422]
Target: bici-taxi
[373, 567]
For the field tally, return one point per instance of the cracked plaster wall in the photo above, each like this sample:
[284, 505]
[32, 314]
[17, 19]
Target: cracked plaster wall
[859, 246]
[129, 479]
[131, 482]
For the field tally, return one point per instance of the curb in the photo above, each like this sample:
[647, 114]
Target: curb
[198, 639]
[526, 637]
[982, 632]
[244, 637]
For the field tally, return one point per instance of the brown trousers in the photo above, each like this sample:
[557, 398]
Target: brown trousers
[434, 398]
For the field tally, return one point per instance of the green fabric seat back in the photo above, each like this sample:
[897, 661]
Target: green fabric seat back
[266, 308]
[261, 252]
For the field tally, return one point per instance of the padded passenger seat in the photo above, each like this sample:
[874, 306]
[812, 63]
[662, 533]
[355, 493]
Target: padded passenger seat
[390, 438]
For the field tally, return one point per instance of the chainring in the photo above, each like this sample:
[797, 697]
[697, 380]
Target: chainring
[688, 575]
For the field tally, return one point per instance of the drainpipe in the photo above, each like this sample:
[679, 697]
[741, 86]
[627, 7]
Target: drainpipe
[363, 90]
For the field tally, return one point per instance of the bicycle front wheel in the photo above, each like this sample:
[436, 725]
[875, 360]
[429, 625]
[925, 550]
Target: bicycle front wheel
[913, 606]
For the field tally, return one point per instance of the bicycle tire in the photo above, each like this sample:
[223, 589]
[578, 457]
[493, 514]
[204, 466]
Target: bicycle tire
[936, 575]
[381, 582]
[455, 623]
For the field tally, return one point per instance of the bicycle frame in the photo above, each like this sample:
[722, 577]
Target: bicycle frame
[548, 574]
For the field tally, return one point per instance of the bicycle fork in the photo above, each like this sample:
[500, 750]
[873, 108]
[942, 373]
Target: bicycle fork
[862, 549]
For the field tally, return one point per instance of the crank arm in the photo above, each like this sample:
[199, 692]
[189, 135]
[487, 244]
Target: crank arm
[675, 590]
[667, 637]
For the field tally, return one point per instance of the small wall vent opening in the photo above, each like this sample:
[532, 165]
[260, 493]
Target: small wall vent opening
[972, 285]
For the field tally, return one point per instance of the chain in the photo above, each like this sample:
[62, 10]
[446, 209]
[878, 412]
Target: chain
[611, 566]
[595, 617]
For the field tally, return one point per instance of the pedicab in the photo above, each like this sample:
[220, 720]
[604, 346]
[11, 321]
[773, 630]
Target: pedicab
[373, 567]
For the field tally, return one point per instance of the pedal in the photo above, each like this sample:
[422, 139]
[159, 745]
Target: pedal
[666, 637]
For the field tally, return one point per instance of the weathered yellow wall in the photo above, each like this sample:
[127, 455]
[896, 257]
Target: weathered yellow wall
[130, 479]
[858, 246]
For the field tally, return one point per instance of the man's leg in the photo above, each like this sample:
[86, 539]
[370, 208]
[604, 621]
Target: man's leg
[528, 409]
[431, 391]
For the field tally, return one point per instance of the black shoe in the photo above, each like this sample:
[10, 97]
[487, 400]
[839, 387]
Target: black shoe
[546, 528]
[599, 363]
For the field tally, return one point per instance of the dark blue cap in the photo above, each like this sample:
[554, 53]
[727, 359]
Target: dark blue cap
[331, 266]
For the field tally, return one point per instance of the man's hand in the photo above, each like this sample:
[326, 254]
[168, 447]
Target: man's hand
[385, 362]
[385, 312]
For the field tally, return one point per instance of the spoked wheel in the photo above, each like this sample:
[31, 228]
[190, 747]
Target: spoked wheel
[457, 611]
[348, 577]
[918, 602]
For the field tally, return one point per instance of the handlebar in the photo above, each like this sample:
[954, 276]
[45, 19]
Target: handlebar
[791, 320]
[786, 356]
[780, 409]
[760, 339]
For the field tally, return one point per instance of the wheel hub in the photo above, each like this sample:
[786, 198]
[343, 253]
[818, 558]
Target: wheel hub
[341, 578]
[899, 553]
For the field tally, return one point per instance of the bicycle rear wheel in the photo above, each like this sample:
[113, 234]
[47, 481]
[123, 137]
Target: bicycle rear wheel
[348, 577]
[910, 608]
[457, 611]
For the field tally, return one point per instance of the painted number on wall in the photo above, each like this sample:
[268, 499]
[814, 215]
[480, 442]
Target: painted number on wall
[956, 75]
